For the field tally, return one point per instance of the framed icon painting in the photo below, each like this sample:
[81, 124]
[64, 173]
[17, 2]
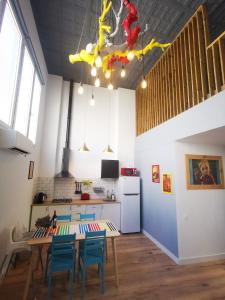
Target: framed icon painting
[204, 172]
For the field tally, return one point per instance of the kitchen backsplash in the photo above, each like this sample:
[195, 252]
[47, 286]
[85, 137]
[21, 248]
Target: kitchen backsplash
[45, 185]
[65, 187]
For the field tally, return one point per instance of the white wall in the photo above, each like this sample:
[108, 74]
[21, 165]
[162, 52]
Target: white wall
[126, 129]
[200, 213]
[198, 220]
[97, 126]
[50, 128]
[15, 188]
[111, 120]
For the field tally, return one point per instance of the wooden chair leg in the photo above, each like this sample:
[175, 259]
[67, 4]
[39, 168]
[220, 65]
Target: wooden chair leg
[11, 261]
[83, 281]
[71, 284]
[102, 274]
[106, 251]
[46, 267]
[40, 258]
[15, 259]
[49, 286]
[32, 268]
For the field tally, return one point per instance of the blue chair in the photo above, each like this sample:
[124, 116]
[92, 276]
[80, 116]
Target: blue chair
[63, 257]
[87, 217]
[92, 252]
[63, 218]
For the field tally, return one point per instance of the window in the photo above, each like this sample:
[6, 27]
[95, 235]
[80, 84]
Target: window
[19, 81]
[24, 95]
[34, 109]
[10, 47]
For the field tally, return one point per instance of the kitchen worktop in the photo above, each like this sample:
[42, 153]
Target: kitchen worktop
[79, 202]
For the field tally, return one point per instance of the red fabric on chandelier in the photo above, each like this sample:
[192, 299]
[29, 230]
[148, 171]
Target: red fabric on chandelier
[116, 58]
[132, 34]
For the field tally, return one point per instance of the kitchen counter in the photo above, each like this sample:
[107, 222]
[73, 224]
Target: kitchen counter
[79, 202]
[103, 209]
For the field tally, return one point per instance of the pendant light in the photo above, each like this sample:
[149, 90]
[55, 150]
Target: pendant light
[92, 101]
[143, 82]
[110, 86]
[123, 72]
[107, 74]
[108, 149]
[98, 61]
[93, 71]
[97, 82]
[84, 148]
[130, 55]
[80, 89]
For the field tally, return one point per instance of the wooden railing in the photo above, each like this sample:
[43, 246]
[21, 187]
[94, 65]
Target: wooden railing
[216, 50]
[187, 73]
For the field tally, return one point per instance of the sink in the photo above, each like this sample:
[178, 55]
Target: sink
[109, 200]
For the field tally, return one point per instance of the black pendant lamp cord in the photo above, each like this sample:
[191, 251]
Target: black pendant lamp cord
[142, 56]
[82, 31]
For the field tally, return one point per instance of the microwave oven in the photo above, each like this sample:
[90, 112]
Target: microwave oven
[128, 172]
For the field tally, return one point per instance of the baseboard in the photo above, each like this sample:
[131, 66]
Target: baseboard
[184, 260]
[163, 248]
[199, 259]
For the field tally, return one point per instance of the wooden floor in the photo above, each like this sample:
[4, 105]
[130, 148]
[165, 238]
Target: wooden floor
[144, 272]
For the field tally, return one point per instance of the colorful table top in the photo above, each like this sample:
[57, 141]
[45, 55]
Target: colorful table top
[73, 228]
[44, 235]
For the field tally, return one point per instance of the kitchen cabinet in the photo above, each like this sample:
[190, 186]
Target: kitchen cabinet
[109, 211]
[76, 210]
[112, 212]
[94, 209]
[60, 210]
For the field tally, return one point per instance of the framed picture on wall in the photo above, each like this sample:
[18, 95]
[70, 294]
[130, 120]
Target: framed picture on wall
[167, 183]
[31, 170]
[204, 172]
[155, 174]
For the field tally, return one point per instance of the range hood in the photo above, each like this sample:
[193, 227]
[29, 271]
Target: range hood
[11, 139]
[66, 150]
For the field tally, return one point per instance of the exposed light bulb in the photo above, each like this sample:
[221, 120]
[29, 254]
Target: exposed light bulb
[98, 61]
[144, 83]
[107, 74]
[92, 101]
[97, 82]
[89, 48]
[81, 89]
[130, 55]
[110, 86]
[93, 71]
[123, 72]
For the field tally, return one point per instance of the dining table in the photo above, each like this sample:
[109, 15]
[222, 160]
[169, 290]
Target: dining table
[43, 236]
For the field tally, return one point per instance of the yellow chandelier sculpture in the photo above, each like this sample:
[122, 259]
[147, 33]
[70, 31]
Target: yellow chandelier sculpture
[103, 54]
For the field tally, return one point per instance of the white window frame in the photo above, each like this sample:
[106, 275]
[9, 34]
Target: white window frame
[19, 71]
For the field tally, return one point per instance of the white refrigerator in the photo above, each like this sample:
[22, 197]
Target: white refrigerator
[129, 195]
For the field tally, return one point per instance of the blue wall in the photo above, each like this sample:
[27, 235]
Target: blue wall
[158, 210]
